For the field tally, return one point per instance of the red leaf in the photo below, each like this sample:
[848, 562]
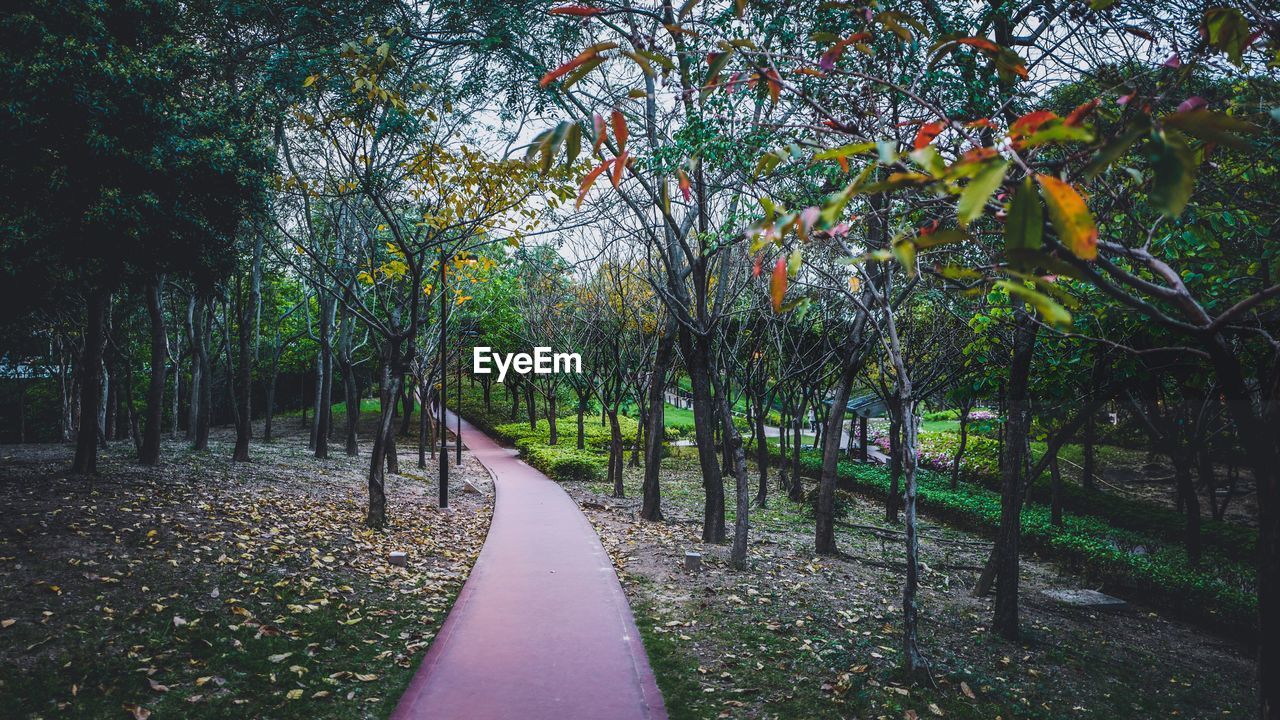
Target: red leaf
[758, 267]
[619, 129]
[684, 186]
[619, 164]
[927, 133]
[1078, 115]
[575, 10]
[980, 43]
[778, 284]
[1030, 122]
[588, 181]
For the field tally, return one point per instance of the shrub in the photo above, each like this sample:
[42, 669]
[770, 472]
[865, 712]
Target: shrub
[1220, 590]
[564, 463]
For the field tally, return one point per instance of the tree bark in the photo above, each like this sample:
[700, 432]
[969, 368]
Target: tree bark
[86, 459]
[1005, 622]
[150, 454]
[824, 511]
[651, 503]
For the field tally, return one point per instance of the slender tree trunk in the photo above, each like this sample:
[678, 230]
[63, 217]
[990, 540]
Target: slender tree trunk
[553, 430]
[651, 503]
[895, 462]
[244, 371]
[351, 394]
[150, 454]
[913, 661]
[824, 511]
[86, 459]
[1005, 622]
[582, 410]
[762, 454]
[797, 481]
[964, 440]
[382, 442]
[615, 453]
[742, 485]
[1055, 492]
[697, 362]
[204, 332]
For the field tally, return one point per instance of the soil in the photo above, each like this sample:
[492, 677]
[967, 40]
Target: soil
[798, 635]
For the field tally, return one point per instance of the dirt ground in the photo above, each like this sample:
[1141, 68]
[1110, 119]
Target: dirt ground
[205, 588]
[800, 636]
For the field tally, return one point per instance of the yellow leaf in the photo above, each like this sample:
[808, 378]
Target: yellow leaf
[1071, 217]
[295, 694]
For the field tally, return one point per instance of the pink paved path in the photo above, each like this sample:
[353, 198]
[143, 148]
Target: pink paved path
[541, 628]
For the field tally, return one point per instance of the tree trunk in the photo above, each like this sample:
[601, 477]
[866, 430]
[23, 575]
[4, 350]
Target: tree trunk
[1088, 470]
[324, 379]
[377, 515]
[1005, 622]
[913, 661]
[150, 454]
[615, 453]
[697, 362]
[582, 410]
[895, 462]
[651, 503]
[762, 454]
[1055, 492]
[742, 485]
[86, 459]
[964, 440]
[796, 492]
[204, 334]
[824, 511]
[244, 373]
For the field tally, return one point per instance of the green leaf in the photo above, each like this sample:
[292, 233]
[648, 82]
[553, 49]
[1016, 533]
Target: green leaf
[1174, 165]
[1024, 228]
[1112, 151]
[1070, 216]
[974, 196]
[1046, 307]
[1228, 31]
[1212, 127]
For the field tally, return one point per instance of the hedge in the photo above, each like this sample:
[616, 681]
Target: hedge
[1221, 591]
[981, 463]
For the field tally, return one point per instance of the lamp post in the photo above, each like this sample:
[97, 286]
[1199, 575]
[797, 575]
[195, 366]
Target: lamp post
[444, 449]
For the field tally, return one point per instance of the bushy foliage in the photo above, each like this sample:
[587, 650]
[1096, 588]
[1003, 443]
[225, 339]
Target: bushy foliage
[1220, 590]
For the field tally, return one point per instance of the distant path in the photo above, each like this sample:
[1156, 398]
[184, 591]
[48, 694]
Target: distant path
[541, 628]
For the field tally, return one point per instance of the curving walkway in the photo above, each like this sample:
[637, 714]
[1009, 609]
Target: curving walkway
[541, 628]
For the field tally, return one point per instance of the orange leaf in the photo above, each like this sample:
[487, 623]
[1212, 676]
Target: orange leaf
[619, 129]
[619, 164]
[684, 185]
[927, 133]
[1030, 122]
[561, 71]
[588, 181]
[778, 284]
[775, 83]
[578, 60]
[1078, 115]
[758, 266]
[1071, 217]
[977, 42]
